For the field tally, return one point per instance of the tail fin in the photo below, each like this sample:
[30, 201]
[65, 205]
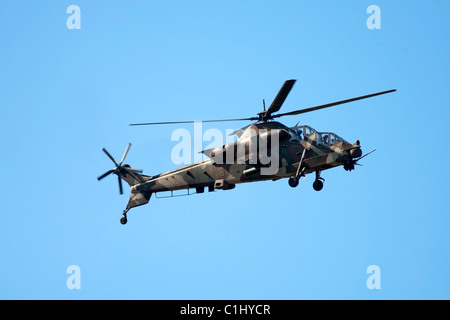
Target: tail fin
[132, 176]
[138, 195]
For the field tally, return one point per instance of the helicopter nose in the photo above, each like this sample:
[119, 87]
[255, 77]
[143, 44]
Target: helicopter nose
[356, 152]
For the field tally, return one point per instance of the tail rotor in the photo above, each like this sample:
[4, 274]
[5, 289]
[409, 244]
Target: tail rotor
[118, 169]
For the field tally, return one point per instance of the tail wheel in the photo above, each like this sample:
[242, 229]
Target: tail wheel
[124, 220]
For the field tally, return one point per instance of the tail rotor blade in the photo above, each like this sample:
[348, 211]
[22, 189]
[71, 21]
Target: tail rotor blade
[125, 154]
[120, 184]
[110, 156]
[105, 174]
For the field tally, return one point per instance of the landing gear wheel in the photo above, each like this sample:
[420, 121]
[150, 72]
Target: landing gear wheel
[293, 182]
[318, 185]
[124, 220]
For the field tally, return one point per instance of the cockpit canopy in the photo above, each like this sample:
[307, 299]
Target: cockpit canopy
[324, 138]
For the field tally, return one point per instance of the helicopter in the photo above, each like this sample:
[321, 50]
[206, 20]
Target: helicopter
[293, 152]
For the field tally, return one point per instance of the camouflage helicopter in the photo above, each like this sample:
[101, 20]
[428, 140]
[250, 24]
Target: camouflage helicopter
[293, 151]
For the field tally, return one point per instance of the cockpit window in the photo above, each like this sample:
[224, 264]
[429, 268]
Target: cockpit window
[295, 134]
[328, 138]
[334, 138]
[302, 132]
[323, 138]
[307, 130]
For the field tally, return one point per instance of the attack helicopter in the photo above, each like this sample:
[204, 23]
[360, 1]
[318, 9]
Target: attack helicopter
[293, 152]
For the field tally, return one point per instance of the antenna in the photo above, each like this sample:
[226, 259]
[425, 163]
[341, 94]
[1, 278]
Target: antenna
[264, 105]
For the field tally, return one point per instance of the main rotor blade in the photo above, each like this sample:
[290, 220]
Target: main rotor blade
[110, 156]
[281, 96]
[328, 105]
[125, 154]
[105, 174]
[120, 184]
[192, 121]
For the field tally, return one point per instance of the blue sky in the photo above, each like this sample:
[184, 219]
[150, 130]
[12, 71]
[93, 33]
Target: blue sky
[66, 94]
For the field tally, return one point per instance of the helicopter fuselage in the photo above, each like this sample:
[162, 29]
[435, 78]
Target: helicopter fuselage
[213, 174]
